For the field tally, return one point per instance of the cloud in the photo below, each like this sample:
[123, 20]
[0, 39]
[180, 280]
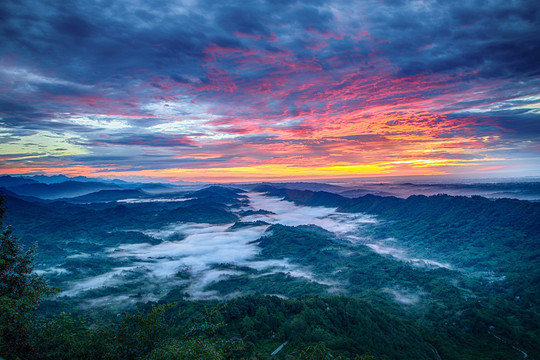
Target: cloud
[287, 213]
[395, 76]
[496, 38]
[388, 248]
[158, 140]
[240, 19]
[406, 297]
[203, 246]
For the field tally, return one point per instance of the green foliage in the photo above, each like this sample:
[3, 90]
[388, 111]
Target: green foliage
[197, 213]
[291, 241]
[64, 337]
[196, 348]
[345, 325]
[316, 352]
[144, 334]
[278, 283]
[319, 351]
[497, 242]
[493, 242]
[206, 326]
[21, 291]
[458, 314]
[240, 224]
[135, 335]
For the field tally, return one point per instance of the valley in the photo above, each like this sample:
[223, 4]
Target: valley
[458, 286]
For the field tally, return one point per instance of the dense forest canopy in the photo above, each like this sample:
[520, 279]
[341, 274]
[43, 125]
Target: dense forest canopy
[225, 272]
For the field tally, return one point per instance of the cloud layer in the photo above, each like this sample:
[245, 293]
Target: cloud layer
[203, 248]
[269, 89]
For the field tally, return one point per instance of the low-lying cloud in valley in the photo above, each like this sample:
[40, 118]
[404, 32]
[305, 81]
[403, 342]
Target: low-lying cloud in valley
[383, 248]
[195, 255]
[288, 213]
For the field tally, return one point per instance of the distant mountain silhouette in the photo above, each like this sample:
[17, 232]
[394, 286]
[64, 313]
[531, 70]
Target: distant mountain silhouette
[108, 196]
[61, 190]
[10, 181]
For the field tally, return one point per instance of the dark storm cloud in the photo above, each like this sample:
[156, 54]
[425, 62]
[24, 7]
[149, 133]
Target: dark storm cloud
[90, 42]
[499, 38]
[156, 140]
[18, 115]
[365, 138]
[241, 19]
[94, 159]
[312, 18]
[10, 107]
[518, 123]
[73, 26]
[144, 161]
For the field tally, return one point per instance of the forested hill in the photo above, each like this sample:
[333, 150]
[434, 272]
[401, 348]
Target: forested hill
[518, 214]
[472, 232]
[422, 277]
[497, 241]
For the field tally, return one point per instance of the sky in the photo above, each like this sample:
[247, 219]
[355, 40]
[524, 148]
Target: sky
[228, 91]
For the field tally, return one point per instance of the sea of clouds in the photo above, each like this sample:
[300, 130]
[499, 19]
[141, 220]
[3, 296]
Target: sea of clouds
[202, 247]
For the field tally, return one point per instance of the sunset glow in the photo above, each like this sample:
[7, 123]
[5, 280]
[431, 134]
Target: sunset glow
[265, 90]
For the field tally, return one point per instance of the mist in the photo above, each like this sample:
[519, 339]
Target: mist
[383, 248]
[523, 189]
[288, 213]
[192, 262]
[152, 200]
[406, 297]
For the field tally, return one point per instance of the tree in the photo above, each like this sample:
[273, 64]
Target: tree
[135, 335]
[21, 291]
